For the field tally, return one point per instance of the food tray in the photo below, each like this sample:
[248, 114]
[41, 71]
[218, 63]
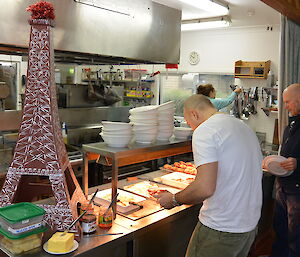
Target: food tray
[148, 208]
[127, 202]
[184, 167]
[20, 218]
[176, 179]
[148, 188]
[17, 244]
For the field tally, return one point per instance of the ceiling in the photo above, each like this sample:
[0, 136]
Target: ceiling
[242, 12]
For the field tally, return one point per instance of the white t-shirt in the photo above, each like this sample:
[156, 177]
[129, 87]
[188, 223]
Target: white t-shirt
[236, 203]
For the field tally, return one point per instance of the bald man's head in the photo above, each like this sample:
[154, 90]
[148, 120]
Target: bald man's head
[199, 102]
[293, 89]
[291, 99]
[197, 109]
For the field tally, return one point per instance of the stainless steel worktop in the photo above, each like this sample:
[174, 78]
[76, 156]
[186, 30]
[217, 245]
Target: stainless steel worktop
[132, 230]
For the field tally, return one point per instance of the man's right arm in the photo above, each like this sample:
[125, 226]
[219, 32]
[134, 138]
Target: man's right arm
[203, 187]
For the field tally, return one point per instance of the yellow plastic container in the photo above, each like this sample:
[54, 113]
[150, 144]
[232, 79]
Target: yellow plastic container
[23, 244]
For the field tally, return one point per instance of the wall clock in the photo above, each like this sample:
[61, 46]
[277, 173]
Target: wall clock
[194, 58]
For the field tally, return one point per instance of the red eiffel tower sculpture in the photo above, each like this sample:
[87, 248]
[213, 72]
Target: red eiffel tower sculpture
[40, 150]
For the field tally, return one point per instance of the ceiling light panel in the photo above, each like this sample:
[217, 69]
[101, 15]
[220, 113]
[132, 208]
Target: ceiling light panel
[205, 25]
[209, 6]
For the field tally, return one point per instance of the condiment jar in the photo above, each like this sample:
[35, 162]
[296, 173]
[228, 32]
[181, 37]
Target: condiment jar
[88, 224]
[105, 219]
[88, 207]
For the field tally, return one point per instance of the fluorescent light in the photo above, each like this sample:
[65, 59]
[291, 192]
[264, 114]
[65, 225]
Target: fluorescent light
[204, 25]
[212, 6]
[207, 23]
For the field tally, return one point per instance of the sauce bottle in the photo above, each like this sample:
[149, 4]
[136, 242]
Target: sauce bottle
[89, 224]
[105, 218]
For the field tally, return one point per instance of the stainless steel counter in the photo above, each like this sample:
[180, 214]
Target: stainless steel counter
[166, 232]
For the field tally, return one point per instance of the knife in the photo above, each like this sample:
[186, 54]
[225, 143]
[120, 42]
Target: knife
[73, 223]
[109, 234]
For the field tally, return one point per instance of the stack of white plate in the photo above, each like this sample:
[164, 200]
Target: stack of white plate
[165, 121]
[116, 134]
[182, 132]
[145, 123]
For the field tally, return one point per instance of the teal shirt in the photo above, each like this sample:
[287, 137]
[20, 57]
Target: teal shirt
[223, 102]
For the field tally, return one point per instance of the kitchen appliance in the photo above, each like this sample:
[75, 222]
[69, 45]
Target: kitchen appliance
[87, 34]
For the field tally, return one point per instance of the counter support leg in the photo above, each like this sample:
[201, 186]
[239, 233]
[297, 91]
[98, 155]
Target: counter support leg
[114, 183]
[85, 175]
[135, 248]
[129, 248]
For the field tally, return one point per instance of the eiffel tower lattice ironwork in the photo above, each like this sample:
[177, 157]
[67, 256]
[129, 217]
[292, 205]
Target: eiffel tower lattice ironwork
[40, 150]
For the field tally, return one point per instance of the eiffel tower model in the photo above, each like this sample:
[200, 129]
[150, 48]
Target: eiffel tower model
[40, 150]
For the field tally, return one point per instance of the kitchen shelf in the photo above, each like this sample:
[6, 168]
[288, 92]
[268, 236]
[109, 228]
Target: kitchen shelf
[250, 70]
[136, 97]
[120, 81]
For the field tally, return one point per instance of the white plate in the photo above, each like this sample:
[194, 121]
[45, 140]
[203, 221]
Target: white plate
[144, 142]
[272, 158]
[163, 138]
[144, 109]
[272, 163]
[75, 246]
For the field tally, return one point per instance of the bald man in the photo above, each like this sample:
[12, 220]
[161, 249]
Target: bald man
[287, 207]
[228, 182]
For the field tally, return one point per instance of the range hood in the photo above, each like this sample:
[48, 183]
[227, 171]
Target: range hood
[99, 31]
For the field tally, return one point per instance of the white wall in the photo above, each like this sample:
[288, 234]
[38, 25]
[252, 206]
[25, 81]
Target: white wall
[219, 49]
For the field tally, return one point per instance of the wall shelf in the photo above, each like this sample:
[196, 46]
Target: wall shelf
[120, 81]
[251, 70]
[138, 97]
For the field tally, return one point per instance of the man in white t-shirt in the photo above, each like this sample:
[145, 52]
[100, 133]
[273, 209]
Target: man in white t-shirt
[228, 182]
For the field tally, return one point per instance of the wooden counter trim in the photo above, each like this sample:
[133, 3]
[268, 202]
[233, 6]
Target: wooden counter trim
[289, 8]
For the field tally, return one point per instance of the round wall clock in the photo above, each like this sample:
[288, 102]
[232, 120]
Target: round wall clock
[194, 58]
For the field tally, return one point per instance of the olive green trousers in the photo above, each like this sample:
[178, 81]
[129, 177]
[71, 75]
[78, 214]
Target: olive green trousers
[207, 242]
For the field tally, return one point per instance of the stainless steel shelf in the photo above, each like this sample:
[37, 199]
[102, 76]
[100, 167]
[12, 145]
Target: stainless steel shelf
[136, 149]
[134, 153]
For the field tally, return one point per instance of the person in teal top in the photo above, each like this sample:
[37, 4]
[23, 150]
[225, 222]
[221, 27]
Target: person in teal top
[209, 91]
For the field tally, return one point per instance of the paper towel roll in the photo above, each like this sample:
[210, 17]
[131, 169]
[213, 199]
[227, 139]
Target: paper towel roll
[190, 81]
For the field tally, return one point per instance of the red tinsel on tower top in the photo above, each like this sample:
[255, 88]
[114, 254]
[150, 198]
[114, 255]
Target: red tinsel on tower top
[41, 10]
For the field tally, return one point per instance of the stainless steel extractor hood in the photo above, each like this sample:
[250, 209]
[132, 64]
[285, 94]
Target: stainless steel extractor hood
[116, 30]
